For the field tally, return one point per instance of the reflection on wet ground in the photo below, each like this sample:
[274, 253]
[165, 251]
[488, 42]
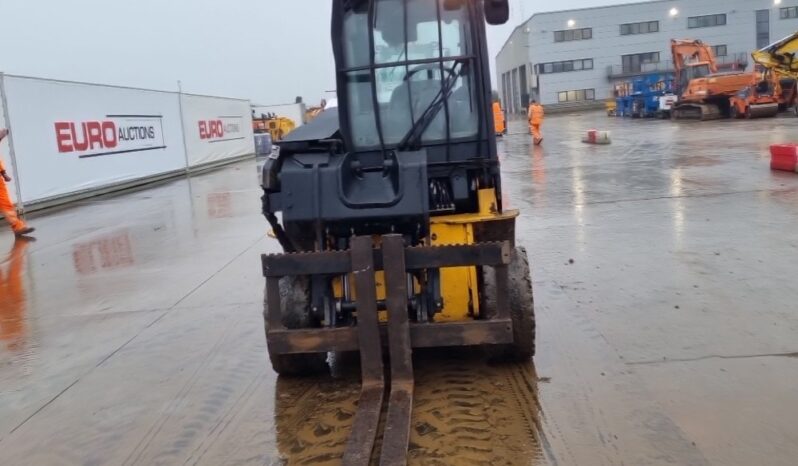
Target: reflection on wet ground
[131, 331]
[12, 297]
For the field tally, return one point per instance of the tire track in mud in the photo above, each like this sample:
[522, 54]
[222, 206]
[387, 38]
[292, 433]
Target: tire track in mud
[313, 419]
[465, 411]
[469, 412]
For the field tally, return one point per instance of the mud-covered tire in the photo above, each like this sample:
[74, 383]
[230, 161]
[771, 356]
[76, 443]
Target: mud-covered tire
[522, 308]
[295, 306]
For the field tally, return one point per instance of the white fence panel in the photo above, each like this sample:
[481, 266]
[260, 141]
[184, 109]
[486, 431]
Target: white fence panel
[216, 129]
[71, 137]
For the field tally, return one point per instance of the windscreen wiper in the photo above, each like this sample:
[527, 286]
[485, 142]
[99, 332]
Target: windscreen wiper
[413, 136]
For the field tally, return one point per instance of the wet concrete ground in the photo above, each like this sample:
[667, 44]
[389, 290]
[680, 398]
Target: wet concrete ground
[131, 331]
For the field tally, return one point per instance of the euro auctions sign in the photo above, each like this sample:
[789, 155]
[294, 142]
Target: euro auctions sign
[113, 134]
[216, 129]
[220, 129]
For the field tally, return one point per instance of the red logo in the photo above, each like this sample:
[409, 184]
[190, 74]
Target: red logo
[115, 134]
[90, 135]
[211, 129]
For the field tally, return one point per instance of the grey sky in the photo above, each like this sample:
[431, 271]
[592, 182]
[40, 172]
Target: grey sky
[267, 50]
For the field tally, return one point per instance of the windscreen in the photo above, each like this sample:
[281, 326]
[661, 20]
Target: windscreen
[698, 71]
[421, 67]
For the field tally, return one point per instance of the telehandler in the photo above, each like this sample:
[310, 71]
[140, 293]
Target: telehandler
[779, 59]
[394, 232]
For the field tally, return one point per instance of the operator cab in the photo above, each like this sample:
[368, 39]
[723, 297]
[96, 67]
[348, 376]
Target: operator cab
[694, 71]
[421, 77]
[413, 75]
[415, 135]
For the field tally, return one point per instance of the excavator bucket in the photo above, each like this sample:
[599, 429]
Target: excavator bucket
[780, 56]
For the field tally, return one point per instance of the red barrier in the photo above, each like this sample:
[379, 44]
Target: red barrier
[784, 157]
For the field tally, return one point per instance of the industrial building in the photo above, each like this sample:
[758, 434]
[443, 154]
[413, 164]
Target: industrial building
[573, 58]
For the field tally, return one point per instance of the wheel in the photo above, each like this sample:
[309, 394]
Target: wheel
[734, 113]
[795, 110]
[295, 306]
[522, 308]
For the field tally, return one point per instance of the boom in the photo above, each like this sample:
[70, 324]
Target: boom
[780, 56]
[691, 59]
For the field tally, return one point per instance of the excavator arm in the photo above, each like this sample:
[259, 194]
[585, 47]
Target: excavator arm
[691, 59]
[686, 52]
[780, 57]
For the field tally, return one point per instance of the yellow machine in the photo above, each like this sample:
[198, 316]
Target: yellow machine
[278, 127]
[611, 106]
[780, 59]
[392, 225]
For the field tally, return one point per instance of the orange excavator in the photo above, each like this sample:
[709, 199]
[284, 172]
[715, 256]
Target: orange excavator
[705, 94]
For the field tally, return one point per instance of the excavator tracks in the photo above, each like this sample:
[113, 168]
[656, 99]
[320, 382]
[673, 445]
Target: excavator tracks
[703, 112]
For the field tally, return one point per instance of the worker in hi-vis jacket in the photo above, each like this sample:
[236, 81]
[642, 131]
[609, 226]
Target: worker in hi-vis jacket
[7, 209]
[536, 115]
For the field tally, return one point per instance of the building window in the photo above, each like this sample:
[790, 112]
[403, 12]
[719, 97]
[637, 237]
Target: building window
[707, 21]
[634, 63]
[762, 28]
[720, 50]
[565, 66]
[576, 96]
[789, 12]
[645, 27]
[573, 34]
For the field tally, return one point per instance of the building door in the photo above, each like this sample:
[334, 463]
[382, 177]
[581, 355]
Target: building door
[505, 90]
[524, 88]
[516, 95]
[762, 28]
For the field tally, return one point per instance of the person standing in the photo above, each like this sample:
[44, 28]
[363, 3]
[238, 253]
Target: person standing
[535, 116]
[7, 209]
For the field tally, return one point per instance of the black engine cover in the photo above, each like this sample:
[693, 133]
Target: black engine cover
[351, 191]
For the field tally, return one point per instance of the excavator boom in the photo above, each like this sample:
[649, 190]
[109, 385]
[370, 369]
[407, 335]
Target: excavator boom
[686, 52]
[780, 56]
